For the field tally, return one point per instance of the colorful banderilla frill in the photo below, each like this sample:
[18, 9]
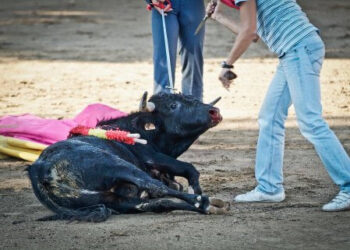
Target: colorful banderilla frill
[115, 135]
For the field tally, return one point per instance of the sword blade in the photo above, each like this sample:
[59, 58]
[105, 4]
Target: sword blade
[201, 24]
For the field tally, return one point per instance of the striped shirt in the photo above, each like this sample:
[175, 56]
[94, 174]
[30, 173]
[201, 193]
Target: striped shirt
[281, 24]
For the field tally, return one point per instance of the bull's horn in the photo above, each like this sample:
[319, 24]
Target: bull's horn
[144, 105]
[215, 101]
[143, 102]
[150, 106]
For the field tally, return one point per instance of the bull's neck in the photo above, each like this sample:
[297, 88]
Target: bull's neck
[167, 144]
[174, 146]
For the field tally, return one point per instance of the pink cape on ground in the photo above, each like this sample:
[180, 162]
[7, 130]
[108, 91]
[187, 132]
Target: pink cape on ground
[48, 131]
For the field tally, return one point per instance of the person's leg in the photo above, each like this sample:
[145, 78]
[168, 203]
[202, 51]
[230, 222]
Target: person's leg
[270, 147]
[302, 75]
[161, 79]
[190, 15]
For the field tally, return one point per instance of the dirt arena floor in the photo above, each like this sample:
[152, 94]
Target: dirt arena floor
[56, 57]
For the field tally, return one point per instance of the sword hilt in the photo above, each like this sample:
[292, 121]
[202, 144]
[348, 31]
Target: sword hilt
[208, 14]
[166, 5]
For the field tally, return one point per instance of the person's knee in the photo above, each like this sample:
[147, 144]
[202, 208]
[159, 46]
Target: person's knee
[192, 46]
[265, 119]
[313, 127]
[268, 117]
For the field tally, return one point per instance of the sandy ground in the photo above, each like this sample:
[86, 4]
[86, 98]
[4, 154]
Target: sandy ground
[56, 57]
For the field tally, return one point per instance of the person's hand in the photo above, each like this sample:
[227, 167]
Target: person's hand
[167, 8]
[226, 77]
[211, 7]
[214, 10]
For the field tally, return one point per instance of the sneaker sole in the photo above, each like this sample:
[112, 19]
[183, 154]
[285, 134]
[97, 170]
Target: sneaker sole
[336, 210]
[260, 201]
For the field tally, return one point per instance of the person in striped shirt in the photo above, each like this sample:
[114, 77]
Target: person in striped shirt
[286, 30]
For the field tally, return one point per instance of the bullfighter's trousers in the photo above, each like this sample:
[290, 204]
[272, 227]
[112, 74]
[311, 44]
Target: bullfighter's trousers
[181, 24]
[297, 82]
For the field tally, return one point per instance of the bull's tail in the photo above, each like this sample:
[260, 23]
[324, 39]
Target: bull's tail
[94, 213]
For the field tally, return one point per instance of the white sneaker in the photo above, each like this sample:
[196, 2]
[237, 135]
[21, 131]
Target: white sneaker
[257, 196]
[339, 203]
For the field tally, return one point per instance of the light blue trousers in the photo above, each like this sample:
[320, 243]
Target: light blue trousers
[181, 24]
[297, 82]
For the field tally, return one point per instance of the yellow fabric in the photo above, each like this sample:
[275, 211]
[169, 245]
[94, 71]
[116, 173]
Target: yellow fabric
[21, 149]
[98, 133]
[22, 143]
[21, 153]
[3, 156]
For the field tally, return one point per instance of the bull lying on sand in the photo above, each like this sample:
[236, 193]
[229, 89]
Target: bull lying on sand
[88, 178]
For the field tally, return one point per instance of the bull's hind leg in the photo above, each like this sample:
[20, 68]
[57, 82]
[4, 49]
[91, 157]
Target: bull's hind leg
[159, 205]
[162, 205]
[128, 173]
[165, 205]
[157, 189]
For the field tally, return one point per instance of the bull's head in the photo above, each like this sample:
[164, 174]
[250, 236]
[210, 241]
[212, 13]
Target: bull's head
[182, 115]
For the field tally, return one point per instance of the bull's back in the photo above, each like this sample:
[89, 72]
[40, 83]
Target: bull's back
[84, 158]
[78, 170]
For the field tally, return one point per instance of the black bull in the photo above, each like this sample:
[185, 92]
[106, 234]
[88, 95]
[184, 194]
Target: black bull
[89, 178]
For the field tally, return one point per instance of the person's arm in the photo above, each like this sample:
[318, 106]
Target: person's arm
[247, 31]
[219, 16]
[246, 35]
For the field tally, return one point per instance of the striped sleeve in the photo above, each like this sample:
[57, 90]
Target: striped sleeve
[239, 2]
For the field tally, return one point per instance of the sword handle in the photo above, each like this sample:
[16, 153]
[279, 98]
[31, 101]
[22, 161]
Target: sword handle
[161, 5]
[208, 14]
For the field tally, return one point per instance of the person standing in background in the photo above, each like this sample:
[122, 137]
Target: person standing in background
[181, 23]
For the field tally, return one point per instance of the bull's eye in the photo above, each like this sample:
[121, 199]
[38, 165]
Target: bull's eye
[173, 105]
[150, 126]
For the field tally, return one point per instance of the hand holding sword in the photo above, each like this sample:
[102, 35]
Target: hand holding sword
[163, 6]
[209, 13]
[226, 76]
[159, 6]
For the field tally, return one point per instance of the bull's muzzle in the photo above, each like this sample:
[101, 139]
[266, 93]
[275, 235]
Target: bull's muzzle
[215, 116]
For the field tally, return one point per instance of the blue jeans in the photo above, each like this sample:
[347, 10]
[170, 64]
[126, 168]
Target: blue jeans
[297, 82]
[181, 24]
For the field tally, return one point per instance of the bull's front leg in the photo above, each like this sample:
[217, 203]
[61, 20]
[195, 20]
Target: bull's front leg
[167, 164]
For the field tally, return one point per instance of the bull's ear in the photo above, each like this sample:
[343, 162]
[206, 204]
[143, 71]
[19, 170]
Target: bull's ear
[215, 101]
[146, 106]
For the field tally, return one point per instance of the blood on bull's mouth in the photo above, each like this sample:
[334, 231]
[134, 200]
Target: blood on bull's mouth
[215, 116]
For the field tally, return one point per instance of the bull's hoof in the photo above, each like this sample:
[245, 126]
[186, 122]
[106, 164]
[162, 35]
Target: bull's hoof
[190, 190]
[216, 202]
[216, 210]
[217, 206]
[194, 190]
[176, 186]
